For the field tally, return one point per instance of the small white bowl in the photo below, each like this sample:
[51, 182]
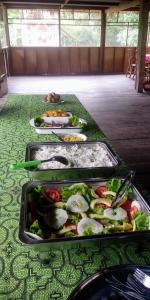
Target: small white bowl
[80, 135]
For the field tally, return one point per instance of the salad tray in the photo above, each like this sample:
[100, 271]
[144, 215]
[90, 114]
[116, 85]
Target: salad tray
[54, 213]
[71, 172]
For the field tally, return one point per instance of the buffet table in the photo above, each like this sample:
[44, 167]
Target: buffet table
[23, 273]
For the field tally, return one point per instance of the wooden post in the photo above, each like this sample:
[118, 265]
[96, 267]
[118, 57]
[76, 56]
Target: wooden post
[141, 50]
[103, 34]
[59, 29]
[7, 48]
[5, 19]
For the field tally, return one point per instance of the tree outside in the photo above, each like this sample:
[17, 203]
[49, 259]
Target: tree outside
[36, 27]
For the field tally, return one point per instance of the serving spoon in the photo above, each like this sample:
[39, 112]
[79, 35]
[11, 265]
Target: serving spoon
[58, 136]
[34, 163]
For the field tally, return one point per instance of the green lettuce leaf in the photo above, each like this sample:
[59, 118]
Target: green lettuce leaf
[140, 221]
[114, 185]
[81, 189]
[75, 121]
[35, 228]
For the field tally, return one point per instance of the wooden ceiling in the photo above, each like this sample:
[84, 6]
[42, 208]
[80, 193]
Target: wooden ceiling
[108, 4]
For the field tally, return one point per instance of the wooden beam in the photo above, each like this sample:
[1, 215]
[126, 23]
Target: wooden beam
[141, 50]
[65, 2]
[123, 6]
[103, 34]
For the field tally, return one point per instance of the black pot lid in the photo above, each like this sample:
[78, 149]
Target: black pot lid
[95, 287]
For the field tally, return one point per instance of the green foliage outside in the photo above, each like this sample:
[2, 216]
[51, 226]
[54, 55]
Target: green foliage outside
[122, 29]
[77, 28]
[80, 36]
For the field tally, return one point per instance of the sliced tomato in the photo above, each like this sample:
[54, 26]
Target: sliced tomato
[104, 206]
[72, 227]
[53, 194]
[127, 205]
[133, 211]
[100, 190]
[100, 205]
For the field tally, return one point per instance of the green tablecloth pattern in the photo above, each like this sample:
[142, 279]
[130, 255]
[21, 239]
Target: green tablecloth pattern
[22, 274]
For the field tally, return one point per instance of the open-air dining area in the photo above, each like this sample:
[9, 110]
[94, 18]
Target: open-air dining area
[74, 150]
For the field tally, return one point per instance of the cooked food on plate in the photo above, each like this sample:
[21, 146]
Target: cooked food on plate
[83, 210]
[55, 113]
[73, 121]
[74, 138]
[52, 98]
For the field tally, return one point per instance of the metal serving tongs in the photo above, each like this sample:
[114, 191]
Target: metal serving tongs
[125, 184]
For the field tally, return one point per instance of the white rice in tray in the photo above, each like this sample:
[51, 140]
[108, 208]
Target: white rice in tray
[79, 156]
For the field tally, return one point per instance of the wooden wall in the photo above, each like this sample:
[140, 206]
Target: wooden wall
[66, 60]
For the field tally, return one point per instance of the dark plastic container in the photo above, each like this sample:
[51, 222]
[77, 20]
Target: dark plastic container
[96, 286]
[46, 244]
[70, 173]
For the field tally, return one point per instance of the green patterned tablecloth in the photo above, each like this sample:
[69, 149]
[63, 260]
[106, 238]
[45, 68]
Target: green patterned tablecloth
[22, 275]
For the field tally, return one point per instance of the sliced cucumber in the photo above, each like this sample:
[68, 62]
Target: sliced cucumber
[117, 214]
[33, 235]
[86, 223]
[61, 217]
[77, 203]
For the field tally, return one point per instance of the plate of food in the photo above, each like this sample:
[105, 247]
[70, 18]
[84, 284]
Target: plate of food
[74, 137]
[48, 125]
[53, 98]
[58, 115]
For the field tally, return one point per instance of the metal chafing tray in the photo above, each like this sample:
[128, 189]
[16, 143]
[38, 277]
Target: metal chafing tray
[46, 244]
[71, 172]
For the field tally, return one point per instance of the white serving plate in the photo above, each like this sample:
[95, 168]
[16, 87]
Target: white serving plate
[67, 130]
[54, 103]
[63, 120]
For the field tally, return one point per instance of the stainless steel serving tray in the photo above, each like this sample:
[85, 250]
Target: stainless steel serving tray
[71, 173]
[45, 245]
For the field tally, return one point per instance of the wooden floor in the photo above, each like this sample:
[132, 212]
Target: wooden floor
[122, 114]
